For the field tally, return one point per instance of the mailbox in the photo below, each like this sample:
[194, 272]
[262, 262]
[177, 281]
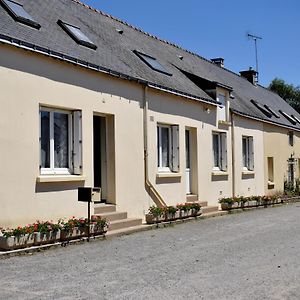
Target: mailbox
[88, 194]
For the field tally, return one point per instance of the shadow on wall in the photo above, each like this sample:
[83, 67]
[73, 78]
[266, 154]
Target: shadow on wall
[57, 186]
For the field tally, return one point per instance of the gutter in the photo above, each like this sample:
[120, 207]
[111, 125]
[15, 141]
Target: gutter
[232, 154]
[4, 39]
[152, 192]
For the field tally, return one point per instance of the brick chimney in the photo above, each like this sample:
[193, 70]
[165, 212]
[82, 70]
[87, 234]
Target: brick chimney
[219, 61]
[250, 75]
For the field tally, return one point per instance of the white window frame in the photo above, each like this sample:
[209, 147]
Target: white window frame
[52, 170]
[173, 151]
[248, 163]
[222, 151]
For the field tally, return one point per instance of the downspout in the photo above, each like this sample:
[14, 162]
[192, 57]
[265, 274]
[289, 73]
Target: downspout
[153, 193]
[232, 154]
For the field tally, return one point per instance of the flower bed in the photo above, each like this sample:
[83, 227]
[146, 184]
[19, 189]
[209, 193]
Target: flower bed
[47, 232]
[172, 213]
[248, 202]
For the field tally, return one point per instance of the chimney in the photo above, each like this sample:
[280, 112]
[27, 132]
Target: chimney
[219, 61]
[250, 75]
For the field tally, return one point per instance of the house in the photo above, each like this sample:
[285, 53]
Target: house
[89, 100]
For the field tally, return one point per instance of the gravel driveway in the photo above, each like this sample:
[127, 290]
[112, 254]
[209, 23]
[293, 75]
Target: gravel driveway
[252, 255]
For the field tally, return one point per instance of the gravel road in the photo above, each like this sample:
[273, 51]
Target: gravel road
[252, 255]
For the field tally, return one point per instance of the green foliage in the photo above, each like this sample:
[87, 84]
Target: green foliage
[289, 92]
[156, 211]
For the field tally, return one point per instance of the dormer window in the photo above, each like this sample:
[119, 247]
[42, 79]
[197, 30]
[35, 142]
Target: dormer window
[77, 35]
[222, 108]
[17, 11]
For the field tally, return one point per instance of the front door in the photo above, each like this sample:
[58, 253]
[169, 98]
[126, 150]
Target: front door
[188, 161]
[100, 156]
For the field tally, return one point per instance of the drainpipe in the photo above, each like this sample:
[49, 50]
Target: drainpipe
[232, 153]
[153, 193]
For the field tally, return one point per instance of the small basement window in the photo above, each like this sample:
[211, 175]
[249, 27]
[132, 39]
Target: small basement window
[152, 62]
[77, 35]
[17, 12]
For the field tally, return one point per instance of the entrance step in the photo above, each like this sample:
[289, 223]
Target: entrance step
[191, 198]
[104, 208]
[209, 209]
[124, 223]
[113, 216]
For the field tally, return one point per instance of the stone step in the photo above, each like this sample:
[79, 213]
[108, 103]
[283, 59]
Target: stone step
[209, 209]
[201, 203]
[191, 198]
[113, 216]
[124, 223]
[104, 208]
[128, 230]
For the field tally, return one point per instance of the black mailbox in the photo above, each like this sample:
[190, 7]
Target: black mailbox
[85, 194]
[88, 194]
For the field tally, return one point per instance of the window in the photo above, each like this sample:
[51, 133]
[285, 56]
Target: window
[222, 107]
[77, 35]
[168, 148]
[270, 170]
[60, 142]
[17, 11]
[271, 111]
[261, 108]
[152, 62]
[219, 151]
[290, 119]
[248, 154]
[291, 138]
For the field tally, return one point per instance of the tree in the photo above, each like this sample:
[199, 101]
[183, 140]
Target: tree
[288, 92]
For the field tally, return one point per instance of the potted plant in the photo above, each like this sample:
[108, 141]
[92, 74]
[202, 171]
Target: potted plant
[73, 228]
[170, 213]
[226, 203]
[46, 232]
[155, 215]
[98, 225]
[20, 237]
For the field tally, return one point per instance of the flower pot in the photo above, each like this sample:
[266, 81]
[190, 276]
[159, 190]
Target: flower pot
[16, 242]
[73, 234]
[97, 230]
[226, 206]
[46, 238]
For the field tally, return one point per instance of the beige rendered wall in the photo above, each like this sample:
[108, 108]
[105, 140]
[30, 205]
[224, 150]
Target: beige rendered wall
[276, 145]
[248, 183]
[28, 81]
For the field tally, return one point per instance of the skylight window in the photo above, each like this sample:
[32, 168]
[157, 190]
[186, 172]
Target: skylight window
[77, 35]
[295, 118]
[272, 111]
[152, 62]
[17, 11]
[261, 108]
[290, 119]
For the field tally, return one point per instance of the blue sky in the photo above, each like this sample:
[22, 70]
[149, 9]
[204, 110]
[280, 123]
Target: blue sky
[218, 28]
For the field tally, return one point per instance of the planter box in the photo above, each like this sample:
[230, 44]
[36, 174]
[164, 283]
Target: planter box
[16, 242]
[97, 230]
[150, 219]
[74, 234]
[46, 238]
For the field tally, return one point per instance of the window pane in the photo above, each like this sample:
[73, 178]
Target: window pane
[245, 158]
[77, 33]
[216, 151]
[18, 10]
[61, 140]
[165, 147]
[45, 139]
[187, 148]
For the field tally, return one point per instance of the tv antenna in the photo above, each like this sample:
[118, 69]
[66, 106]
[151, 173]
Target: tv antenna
[255, 38]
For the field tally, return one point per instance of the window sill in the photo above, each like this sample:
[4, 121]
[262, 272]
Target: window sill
[168, 175]
[247, 172]
[59, 178]
[271, 184]
[219, 173]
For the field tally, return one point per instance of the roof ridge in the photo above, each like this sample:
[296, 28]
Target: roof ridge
[152, 36]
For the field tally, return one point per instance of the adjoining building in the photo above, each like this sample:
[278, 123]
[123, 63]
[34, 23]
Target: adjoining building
[89, 100]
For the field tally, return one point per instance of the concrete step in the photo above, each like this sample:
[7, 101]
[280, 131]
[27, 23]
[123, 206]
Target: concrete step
[128, 230]
[124, 223]
[191, 198]
[113, 216]
[104, 208]
[209, 209]
[202, 203]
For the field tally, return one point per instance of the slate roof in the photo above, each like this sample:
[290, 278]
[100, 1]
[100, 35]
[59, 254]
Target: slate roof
[114, 54]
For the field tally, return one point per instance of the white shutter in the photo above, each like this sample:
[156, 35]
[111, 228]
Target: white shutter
[175, 148]
[251, 154]
[223, 152]
[77, 143]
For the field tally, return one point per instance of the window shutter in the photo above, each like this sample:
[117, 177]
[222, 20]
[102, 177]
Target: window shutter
[223, 152]
[77, 143]
[175, 148]
[251, 154]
